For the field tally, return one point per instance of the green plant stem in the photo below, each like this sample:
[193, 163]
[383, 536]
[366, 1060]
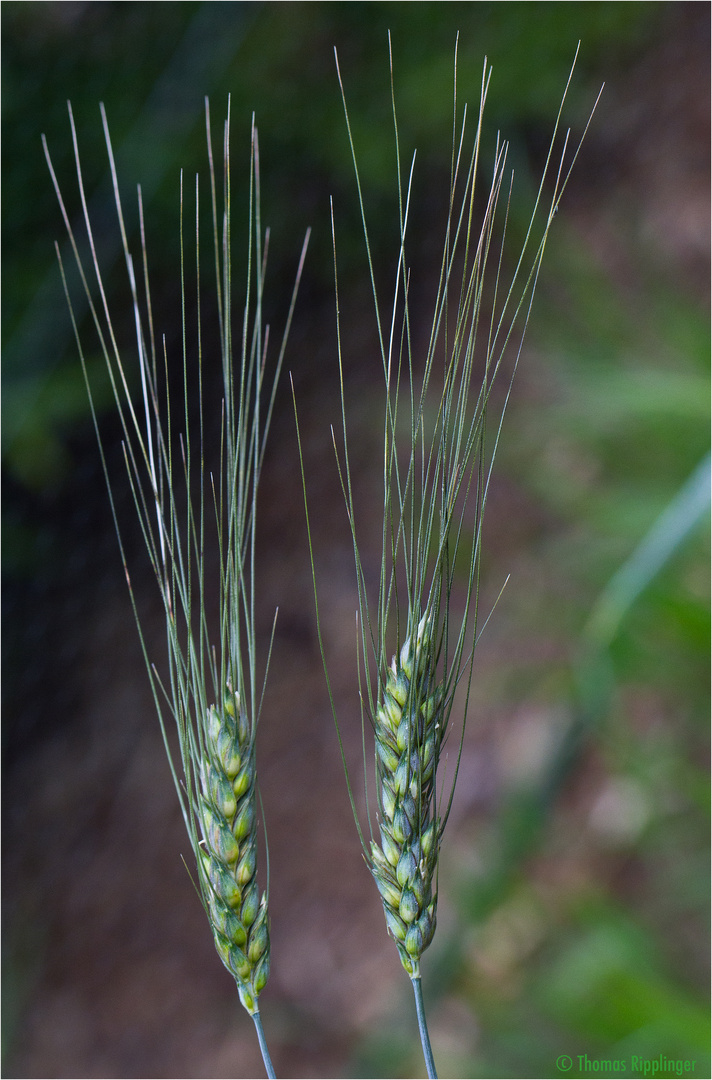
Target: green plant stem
[422, 1025]
[263, 1045]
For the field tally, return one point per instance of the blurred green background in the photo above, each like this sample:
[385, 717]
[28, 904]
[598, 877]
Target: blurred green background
[574, 886]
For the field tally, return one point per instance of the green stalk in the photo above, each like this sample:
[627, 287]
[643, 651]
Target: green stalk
[263, 1045]
[423, 1027]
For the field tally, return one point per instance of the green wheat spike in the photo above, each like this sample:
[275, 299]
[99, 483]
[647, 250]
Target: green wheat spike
[438, 454]
[214, 688]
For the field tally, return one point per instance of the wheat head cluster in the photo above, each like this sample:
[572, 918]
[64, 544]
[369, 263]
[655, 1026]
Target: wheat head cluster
[415, 652]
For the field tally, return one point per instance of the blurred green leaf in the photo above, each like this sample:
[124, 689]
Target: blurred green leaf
[606, 987]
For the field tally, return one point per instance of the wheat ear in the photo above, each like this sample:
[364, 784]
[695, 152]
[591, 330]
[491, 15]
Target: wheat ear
[228, 855]
[214, 687]
[437, 465]
[408, 734]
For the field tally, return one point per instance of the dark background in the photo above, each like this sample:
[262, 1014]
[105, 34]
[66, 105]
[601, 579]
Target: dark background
[575, 872]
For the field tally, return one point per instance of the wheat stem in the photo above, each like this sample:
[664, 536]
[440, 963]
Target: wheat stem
[423, 1027]
[263, 1045]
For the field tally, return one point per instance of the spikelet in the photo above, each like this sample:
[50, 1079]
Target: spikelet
[408, 735]
[228, 852]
